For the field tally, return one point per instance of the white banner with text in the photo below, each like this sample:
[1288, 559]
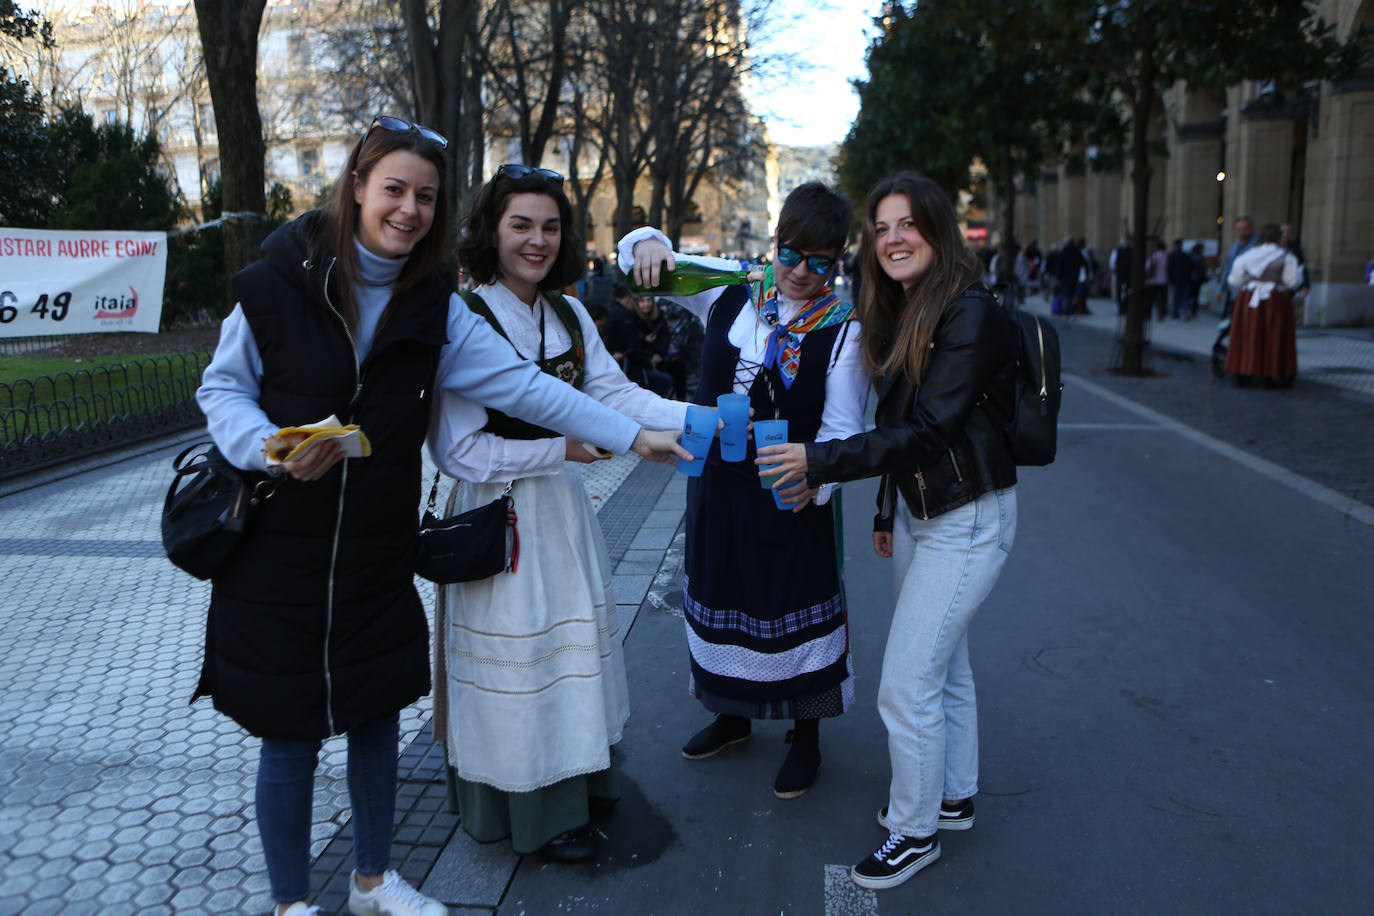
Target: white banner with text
[80, 281]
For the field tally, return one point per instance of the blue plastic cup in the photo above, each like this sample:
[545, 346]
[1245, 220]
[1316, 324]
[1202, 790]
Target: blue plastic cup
[777, 501]
[770, 432]
[734, 435]
[697, 432]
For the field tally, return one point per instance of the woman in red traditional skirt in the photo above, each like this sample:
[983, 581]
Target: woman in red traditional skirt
[1263, 344]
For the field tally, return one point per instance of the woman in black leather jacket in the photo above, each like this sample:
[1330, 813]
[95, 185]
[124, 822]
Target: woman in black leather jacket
[942, 352]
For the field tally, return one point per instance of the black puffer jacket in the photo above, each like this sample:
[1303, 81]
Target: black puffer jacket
[315, 627]
[943, 443]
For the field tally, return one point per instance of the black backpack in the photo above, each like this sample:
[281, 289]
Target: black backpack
[1034, 424]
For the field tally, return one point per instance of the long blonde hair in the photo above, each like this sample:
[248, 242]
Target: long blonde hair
[899, 324]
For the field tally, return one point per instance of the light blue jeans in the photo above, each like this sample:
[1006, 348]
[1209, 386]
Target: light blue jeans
[944, 568]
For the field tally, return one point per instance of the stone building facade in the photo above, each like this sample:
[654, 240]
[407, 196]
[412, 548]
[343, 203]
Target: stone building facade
[1308, 162]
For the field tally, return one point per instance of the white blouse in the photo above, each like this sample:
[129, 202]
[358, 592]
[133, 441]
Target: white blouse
[1249, 265]
[846, 382]
[461, 447]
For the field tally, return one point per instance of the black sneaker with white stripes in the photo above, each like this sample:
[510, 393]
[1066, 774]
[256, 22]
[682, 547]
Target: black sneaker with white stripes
[955, 816]
[895, 861]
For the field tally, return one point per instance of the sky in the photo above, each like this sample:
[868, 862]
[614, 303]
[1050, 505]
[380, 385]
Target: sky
[815, 106]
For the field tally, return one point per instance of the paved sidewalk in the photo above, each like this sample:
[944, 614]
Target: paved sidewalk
[1340, 357]
[118, 796]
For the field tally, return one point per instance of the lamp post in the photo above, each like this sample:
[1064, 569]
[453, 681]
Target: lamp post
[1221, 204]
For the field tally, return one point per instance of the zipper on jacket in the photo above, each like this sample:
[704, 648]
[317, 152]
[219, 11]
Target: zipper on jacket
[1044, 385]
[921, 485]
[352, 344]
[338, 520]
[889, 485]
[959, 475]
[329, 603]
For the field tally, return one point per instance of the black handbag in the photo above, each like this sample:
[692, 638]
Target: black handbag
[207, 506]
[475, 544]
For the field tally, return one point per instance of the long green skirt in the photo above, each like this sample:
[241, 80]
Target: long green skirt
[530, 819]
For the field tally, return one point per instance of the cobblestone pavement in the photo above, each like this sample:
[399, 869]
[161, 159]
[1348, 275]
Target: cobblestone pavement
[120, 797]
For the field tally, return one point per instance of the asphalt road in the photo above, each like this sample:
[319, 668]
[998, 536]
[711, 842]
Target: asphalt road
[1173, 677]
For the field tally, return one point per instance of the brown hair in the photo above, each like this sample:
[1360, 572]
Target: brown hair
[333, 236]
[477, 249]
[899, 324]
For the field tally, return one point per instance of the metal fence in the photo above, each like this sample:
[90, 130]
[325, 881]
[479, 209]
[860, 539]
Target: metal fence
[15, 346]
[49, 419]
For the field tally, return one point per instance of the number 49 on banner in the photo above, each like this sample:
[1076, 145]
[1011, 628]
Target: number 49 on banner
[57, 311]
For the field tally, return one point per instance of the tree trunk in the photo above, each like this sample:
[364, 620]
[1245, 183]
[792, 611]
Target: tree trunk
[1133, 343]
[1009, 190]
[229, 41]
[439, 63]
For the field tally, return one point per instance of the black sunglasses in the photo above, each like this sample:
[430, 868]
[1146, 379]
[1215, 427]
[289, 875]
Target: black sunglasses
[818, 264]
[512, 171]
[387, 122]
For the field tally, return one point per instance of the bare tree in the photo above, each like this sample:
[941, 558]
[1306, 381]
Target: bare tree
[229, 43]
[701, 123]
[447, 83]
[623, 56]
[583, 140]
[368, 54]
[526, 62]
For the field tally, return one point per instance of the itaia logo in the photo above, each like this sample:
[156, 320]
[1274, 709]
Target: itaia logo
[117, 306]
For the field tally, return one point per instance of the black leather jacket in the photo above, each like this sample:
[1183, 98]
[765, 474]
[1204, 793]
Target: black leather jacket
[942, 443]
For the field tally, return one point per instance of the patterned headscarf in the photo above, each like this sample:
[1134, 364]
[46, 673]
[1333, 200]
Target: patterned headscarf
[784, 340]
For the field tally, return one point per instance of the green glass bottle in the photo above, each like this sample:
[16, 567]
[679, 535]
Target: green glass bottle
[689, 278]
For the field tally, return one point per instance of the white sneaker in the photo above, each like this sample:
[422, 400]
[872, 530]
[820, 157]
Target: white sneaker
[393, 897]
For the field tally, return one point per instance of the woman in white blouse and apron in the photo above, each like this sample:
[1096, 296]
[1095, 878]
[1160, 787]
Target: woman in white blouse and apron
[530, 690]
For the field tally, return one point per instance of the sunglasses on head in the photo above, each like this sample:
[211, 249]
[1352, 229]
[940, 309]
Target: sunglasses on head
[818, 264]
[387, 122]
[512, 171]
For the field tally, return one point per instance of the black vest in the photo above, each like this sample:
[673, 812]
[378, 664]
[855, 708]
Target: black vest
[569, 366]
[801, 406]
[315, 627]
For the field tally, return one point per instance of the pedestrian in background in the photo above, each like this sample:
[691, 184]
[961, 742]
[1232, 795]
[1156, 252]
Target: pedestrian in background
[1245, 238]
[531, 678]
[315, 628]
[1088, 278]
[1121, 273]
[1179, 271]
[1157, 282]
[1069, 274]
[650, 350]
[686, 336]
[1263, 339]
[943, 352]
[766, 619]
[1197, 275]
[1288, 239]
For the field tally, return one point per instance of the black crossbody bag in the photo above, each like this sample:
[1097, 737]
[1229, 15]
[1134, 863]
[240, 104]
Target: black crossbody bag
[476, 544]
